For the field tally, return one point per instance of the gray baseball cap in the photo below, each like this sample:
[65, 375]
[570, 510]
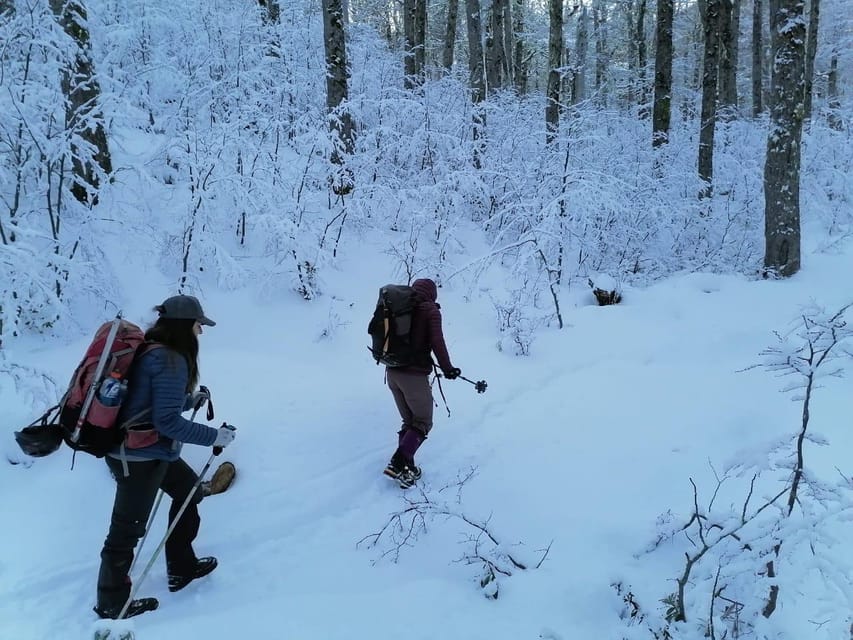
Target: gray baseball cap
[183, 308]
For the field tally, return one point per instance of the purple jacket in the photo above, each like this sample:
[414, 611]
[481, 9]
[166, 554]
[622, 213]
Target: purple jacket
[427, 335]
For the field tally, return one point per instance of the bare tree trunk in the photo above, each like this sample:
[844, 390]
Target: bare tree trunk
[555, 61]
[494, 47]
[272, 11]
[832, 93]
[757, 57]
[782, 167]
[726, 56]
[520, 63]
[337, 89]
[640, 39]
[710, 69]
[581, 50]
[409, 64]
[450, 34]
[82, 112]
[599, 19]
[508, 44]
[476, 74]
[811, 50]
[420, 27]
[663, 74]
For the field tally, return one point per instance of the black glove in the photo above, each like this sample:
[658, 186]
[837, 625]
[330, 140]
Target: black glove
[452, 374]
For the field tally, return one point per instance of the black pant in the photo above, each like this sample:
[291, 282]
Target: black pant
[135, 495]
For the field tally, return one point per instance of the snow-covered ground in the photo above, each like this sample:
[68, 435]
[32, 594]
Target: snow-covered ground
[579, 446]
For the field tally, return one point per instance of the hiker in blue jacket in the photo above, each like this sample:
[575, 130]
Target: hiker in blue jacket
[162, 385]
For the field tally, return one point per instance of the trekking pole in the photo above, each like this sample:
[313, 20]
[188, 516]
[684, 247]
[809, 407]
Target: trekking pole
[135, 587]
[480, 385]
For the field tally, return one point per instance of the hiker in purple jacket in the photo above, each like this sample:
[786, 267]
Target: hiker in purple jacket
[410, 385]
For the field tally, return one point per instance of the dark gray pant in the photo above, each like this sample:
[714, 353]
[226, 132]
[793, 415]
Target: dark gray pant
[413, 397]
[135, 495]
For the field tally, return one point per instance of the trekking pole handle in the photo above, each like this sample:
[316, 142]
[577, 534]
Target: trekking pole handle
[218, 450]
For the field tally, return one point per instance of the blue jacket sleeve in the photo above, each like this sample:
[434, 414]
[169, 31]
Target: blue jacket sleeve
[168, 396]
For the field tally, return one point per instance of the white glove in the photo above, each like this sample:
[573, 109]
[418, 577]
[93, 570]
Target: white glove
[224, 436]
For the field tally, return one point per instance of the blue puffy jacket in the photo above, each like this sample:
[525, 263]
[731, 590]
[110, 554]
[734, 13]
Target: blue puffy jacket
[157, 392]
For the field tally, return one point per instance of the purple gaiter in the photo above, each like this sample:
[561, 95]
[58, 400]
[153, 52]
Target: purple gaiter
[409, 443]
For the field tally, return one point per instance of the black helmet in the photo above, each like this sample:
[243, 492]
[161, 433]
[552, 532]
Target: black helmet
[39, 440]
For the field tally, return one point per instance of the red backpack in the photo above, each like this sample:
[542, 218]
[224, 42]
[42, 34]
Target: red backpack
[89, 410]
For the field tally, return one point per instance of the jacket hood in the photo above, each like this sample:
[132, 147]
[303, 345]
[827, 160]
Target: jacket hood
[426, 289]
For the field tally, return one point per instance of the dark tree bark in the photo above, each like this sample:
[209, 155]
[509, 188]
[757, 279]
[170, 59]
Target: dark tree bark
[757, 58]
[520, 62]
[662, 109]
[337, 90]
[581, 50]
[272, 11]
[599, 20]
[710, 69]
[450, 34]
[508, 44]
[420, 26]
[782, 166]
[832, 93]
[640, 40]
[414, 31]
[727, 60]
[82, 111]
[811, 50]
[495, 54]
[476, 72]
[555, 61]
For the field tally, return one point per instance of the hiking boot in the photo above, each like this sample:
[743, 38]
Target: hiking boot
[408, 476]
[220, 480]
[203, 566]
[392, 471]
[136, 607]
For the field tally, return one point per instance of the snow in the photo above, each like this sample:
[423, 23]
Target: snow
[581, 446]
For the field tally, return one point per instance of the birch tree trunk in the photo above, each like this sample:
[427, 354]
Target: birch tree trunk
[662, 110]
[710, 69]
[782, 166]
[555, 60]
[82, 111]
[337, 89]
[476, 74]
[811, 50]
[450, 34]
[757, 58]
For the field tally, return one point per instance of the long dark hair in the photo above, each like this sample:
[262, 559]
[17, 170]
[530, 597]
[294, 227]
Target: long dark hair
[178, 335]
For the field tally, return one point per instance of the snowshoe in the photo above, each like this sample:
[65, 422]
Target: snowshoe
[221, 479]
